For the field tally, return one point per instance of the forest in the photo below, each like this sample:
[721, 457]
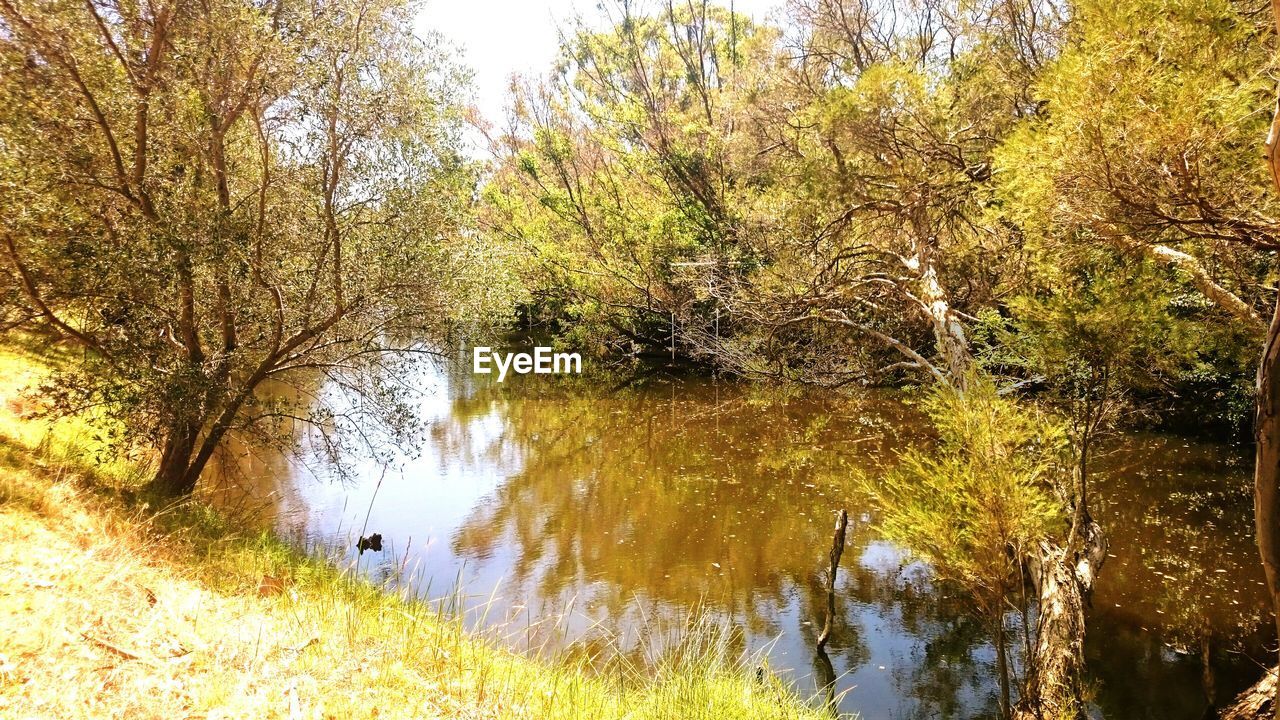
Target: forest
[973, 271]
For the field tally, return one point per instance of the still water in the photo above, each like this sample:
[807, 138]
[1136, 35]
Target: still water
[573, 513]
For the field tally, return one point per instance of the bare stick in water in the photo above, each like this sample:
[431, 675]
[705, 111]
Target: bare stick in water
[837, 549]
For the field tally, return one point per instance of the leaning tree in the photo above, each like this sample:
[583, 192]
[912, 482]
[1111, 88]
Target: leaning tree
[207, 195]
[1149, 148]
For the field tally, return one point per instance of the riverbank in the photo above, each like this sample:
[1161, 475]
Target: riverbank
[110, 607]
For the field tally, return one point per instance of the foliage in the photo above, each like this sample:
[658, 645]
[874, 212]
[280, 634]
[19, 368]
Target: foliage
[1154, 115]
[1152, 124]
[1114, 334]
[993, 498]
[1146, 155]
[619, 179]
[977, 506]
[210, 196]
[770, 202]
[836, 196]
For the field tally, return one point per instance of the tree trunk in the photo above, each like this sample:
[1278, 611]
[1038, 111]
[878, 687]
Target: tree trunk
[186, 453]
[1002, 666]
[1260, 700]
[1266, 473]
[171, 478]
[1063, 580]
[837, 549]
[1257, 702]
[184, 460]
[952, 344]
[1204, 282]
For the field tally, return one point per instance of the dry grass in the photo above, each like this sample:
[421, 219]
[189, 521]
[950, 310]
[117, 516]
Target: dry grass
[112, 610]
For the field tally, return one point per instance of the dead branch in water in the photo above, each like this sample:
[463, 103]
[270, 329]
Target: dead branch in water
[837, 549]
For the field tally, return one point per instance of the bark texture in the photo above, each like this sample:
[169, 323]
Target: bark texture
[1219, 295]
[1266, 473]
[948, 332]
[1064, 578]
[1256, 702]
[1259, 701]
[175, 460]
[1266, 476]
[837, 549]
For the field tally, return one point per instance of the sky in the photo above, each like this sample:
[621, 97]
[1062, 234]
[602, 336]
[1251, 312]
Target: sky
[498, 38]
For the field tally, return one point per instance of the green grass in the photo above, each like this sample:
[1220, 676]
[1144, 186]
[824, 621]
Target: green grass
[111, 608]
[76, 442]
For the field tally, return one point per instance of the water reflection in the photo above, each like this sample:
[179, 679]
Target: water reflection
[572, 512]
[1182, 598]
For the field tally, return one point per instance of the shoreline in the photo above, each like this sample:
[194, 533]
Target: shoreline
[112, 608]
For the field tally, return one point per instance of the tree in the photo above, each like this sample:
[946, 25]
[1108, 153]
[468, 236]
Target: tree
[1103, 337]
[1266, 479]
[205, 196]
[978, 508]
[618, 178]
[1149, 146]
[831, 195]
[1146, 145]
[885, 124]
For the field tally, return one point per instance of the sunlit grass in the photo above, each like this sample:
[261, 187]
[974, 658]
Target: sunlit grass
[111, 608]
[78, 441]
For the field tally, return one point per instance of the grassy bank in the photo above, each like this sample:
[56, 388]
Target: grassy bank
[112, 608]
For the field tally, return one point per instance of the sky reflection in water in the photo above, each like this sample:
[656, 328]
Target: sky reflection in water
[571, 513]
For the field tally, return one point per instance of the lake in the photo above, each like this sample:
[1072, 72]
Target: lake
[588, 515]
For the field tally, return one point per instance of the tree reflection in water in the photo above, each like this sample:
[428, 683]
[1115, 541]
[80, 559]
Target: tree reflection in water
[605, 516]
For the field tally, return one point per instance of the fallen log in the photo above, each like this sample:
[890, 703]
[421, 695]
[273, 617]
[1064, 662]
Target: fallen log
[1257, 702]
